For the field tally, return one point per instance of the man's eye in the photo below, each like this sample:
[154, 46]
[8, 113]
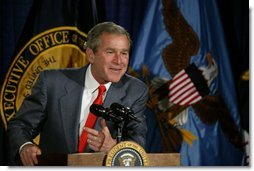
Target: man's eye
[125, 53]
[109, 52]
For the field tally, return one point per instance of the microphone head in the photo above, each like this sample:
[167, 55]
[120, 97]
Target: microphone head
[98, 110]
[117, 107]
[123, 111]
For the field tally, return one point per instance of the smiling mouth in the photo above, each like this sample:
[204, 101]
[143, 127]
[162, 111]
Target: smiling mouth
[115, 69]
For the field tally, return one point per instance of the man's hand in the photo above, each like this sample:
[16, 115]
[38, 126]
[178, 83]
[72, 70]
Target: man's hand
[100, 140]
[28, 154]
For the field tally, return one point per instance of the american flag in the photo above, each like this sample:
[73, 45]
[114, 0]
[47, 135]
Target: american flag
[188, 86]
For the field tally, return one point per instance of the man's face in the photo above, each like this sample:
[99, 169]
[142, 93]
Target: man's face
[110, 61]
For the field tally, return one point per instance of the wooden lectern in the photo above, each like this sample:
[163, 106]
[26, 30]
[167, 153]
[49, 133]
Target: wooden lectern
[98, 159]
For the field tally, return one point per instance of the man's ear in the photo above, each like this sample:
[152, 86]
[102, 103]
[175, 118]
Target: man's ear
[90, 55]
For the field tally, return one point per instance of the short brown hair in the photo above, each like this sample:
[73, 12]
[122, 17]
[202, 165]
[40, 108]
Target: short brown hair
[93, 37]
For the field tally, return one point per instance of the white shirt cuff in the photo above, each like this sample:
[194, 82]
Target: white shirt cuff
[24, 145]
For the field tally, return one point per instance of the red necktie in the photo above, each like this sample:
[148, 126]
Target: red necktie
[90, 120]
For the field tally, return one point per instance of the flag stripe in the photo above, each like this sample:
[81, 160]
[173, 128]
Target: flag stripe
[182, 91]
[192, 99]
[180, 74]
[185, 95]
[177, 81]
[180, 84]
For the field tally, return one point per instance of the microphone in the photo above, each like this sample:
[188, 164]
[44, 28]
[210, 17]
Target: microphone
[106, 113]
[123, 111]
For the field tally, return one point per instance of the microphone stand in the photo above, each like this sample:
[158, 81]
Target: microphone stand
[119, 131]
[118, 123]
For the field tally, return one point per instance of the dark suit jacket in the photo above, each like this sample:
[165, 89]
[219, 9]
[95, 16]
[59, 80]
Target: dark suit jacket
[53, 110]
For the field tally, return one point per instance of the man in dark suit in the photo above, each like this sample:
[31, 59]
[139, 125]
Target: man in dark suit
[58, 107]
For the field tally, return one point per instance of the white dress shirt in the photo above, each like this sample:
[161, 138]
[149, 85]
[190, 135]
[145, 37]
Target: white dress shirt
[89, 95]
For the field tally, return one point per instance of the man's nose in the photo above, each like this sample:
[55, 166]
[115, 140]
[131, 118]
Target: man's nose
[117, 58]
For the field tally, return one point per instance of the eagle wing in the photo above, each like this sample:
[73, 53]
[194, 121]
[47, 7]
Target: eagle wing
[185, 42]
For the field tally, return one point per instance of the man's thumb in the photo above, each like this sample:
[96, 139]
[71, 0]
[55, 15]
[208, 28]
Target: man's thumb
[104, 127]
[103, 123]
[38, 152]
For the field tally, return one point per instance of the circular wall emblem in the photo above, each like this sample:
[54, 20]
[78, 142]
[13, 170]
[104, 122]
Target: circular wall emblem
[127, 153]
[60, 47]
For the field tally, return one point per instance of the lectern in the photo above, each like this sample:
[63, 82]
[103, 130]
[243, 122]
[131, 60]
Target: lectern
[98, 159]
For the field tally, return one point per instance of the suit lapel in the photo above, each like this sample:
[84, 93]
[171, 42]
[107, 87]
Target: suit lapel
[70, 105]
[115, 94]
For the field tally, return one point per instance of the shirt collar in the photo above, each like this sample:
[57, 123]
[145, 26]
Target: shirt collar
[91, 84]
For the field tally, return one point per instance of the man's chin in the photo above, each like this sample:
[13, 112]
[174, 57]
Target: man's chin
[115, 80]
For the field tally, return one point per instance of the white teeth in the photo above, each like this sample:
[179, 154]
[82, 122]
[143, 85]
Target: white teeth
[115, 69]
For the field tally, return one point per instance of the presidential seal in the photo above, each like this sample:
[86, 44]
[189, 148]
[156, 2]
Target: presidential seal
[127, 153]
